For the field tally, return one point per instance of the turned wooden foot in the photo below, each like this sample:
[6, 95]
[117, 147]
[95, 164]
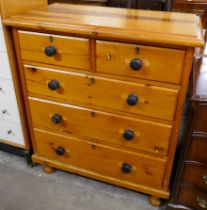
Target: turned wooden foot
[155, 201]
[47, 169]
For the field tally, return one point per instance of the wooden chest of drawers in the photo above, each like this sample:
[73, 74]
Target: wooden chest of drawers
[190, 186]
[104, 90]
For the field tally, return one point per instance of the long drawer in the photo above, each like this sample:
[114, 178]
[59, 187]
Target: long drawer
[57, 50]
[100, 159]
[158, 102]
[146, 62]
[11, 132]
[128, 132]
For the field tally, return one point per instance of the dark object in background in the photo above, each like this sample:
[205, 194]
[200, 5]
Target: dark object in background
[190, 185]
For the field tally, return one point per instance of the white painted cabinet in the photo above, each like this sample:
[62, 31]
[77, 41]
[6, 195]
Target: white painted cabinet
[10, 123]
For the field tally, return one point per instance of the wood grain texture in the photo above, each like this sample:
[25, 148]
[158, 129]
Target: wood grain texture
[115, 58]
[13, 7]
[178, 116]
[189, 191]
[101, 159]
[149, 136]
[189, 195]
[70, 52]
[195, 174]
[197, 151]
[123, 24]
[153, 101]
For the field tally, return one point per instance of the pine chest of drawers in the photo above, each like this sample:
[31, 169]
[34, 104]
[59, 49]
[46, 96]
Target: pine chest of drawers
[104, 90]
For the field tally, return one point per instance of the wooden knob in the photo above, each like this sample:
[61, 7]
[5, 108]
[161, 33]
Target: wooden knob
[128, 135]
[50, 50]
[132, 99]
[60, 151]
[136, 64]
[56, 118]
[126, 168]
[53, 84]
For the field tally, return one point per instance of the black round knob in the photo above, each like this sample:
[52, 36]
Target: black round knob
[136, 64]
[50, 50]
[128, 135]
[126, 168]
[56, 118]
[60, 151]
[53, 84]
[132, 99]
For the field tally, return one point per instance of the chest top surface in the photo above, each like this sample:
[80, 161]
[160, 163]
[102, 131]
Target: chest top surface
[123, 24]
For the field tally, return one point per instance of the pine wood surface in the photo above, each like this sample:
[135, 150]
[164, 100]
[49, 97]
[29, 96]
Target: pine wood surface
[71, 52]
[123, 24]
[149, 136]
[157, 102]
[101, 159]
[115, 58]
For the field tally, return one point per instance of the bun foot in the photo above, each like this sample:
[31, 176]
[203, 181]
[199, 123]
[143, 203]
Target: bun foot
[47, 169]
[154, 201]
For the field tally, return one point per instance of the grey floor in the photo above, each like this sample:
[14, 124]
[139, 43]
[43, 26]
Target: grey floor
[26, 188]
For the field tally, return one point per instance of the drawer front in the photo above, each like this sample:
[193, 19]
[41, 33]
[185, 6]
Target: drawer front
[192, 197]
[115, 129]
[108, 93]
[97, 158]
[57, 50]
[5, 71]
[7, 91]
[2, 41]
[9, 111]
[11, 132]
[196, 175]
[201, 119]
[154, 63]
[198, 149]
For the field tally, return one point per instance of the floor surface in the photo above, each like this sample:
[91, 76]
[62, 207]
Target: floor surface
[26, 188]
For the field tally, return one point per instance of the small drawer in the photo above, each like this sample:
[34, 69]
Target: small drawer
[11, 132]
[135, 98]
[2, 41]
[9, 111]
[111, 162]
[115, 129]
[56, 50]
[5, 71]
[138, 61]
[201, 119]
[196, 174]
[197, 150]
[7, 90]
[192, 197]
